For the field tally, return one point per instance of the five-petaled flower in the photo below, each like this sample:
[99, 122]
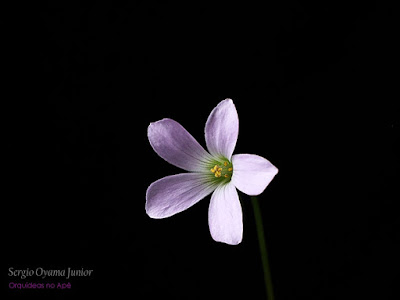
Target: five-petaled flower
[216, 171]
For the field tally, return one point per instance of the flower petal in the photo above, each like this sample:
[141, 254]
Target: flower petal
[222, 129]
[173, 143]
[225, 215]
[252, 173]
[173, 194]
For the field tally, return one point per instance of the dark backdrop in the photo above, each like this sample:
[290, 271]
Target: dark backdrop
[314, 86]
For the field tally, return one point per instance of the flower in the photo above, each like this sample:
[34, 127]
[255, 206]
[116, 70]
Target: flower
[216, 171]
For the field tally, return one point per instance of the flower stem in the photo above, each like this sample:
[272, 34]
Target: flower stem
[263, 248]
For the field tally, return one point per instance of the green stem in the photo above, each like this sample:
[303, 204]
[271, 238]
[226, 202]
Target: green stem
[263, 248]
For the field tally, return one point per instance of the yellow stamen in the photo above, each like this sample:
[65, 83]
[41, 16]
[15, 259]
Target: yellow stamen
[221, 170]
[214, 169]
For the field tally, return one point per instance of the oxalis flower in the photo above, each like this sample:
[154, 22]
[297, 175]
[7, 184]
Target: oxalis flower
[216, 171]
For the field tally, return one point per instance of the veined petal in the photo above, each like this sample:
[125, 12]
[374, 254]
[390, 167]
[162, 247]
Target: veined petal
[252, 173]
[173, 194]
[173, 143]
[225, 215]
[222, 129]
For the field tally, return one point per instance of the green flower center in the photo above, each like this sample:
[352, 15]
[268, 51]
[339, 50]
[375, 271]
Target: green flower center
[221, 170]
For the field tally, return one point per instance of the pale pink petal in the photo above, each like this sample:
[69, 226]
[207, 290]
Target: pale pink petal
[252, 173]
[225, 215]
[177, 146]
[222, 129]
[173, 194]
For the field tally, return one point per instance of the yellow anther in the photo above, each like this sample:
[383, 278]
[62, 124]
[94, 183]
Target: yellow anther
[214, 169]
[219, 170]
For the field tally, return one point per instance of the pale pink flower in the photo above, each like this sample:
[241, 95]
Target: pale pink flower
[216, 171]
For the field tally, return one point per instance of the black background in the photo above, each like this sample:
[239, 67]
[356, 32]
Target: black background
[314, 86]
